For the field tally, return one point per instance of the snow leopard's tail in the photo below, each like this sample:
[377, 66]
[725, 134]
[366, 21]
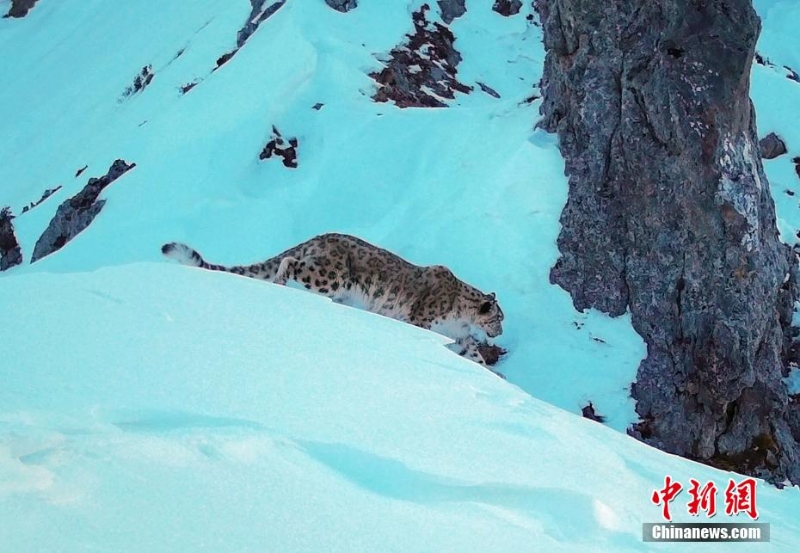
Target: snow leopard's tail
[186, 255]
[189, 256]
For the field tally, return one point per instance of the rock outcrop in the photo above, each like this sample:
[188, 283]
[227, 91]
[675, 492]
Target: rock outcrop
[771, 146]
[284, 148]
[670, 216]
[10, 252]
[20, 8]
[507, 8]
[452, 9]
[423, 71]
[77, 213]
[259, 13]
[343, 6]
[140, 82]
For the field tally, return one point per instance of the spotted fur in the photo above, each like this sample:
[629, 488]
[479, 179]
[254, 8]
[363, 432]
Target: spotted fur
[352, 271]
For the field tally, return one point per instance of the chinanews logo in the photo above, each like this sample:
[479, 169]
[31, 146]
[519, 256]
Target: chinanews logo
[739, 501]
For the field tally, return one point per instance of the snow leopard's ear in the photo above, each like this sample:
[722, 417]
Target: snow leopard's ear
[493, 296]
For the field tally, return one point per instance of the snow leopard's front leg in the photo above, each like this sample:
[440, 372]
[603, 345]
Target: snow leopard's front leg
[468, 347]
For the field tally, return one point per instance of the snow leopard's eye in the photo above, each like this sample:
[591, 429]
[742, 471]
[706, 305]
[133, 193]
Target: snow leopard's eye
[485, 307]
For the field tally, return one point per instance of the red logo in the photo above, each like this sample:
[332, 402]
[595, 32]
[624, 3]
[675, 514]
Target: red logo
[666, 495]
[704, 498]
[739, 498]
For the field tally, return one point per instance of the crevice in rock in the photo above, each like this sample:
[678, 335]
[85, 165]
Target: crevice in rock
[10, 251]
[78, 212]
[422, 72]
[669, 215]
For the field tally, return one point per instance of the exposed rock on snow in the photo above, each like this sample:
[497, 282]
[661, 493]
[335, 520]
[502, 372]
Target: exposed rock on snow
[47, 193]
[507, 7]
[796, 161]
[281, 147]
[488, 90]
[771, 146]
[452, 9]
[77, 213]
[10, 252]
[140, 82]
[260, 13]
[20, 8]
[421, 72]
[589, 412]
[343, 6]
[670, 215]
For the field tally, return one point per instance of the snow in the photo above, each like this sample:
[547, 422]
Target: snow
[151, 407]
[472, 187]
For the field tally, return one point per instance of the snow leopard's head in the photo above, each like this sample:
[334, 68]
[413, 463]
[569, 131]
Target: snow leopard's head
[488, 316]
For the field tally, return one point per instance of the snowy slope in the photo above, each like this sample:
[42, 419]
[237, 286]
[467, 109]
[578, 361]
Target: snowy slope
[471, 187]
[152, 407]
[144, 411]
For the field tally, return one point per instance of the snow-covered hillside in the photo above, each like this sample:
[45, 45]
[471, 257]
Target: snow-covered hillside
[151, 407]
[157, 408]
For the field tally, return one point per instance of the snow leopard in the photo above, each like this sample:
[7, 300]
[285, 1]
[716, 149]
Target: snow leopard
[352, 271]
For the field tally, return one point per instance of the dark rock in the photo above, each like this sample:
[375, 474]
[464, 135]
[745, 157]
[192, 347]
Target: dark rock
[792, 76]
[47, 193]
[796, 161]
[224, 58]
[421, 72]
[452, 9]
[589, 412]
[77, 213]
[507, 7]
[670, 215]
[317, 106]
[532, 98]
[10, 252]
[188, 86]
[761, 60]
[771, 146]
[258, 14]
[491, 353]
[343, 6]
[140, 82]
[278, 146]
[81, 170]
[489, 90]
[20, 8]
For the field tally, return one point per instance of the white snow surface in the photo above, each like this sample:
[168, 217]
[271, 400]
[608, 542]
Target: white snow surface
[151, 407]
[158, 408]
